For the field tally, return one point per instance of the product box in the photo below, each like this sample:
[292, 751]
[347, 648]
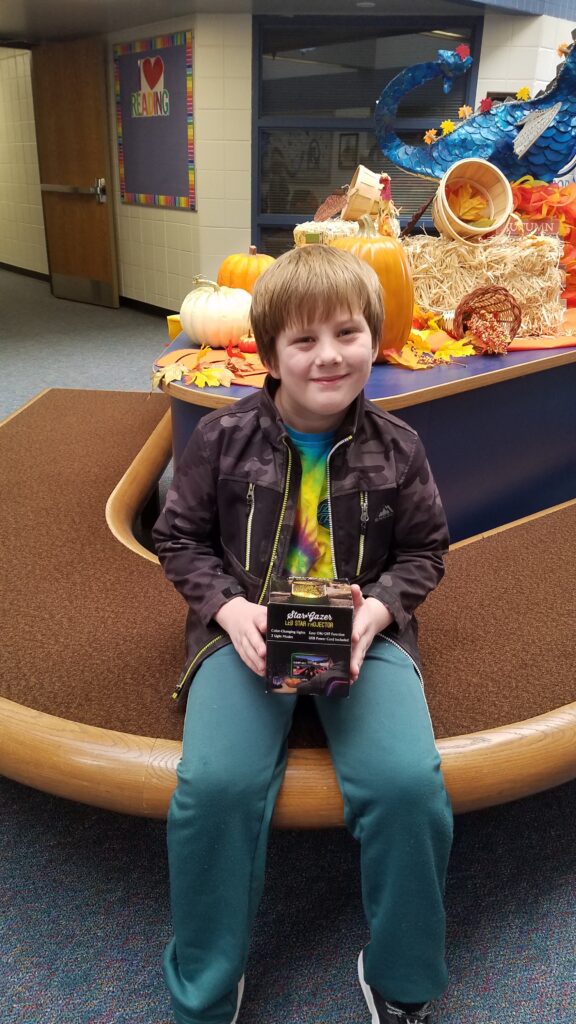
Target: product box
[309, 636]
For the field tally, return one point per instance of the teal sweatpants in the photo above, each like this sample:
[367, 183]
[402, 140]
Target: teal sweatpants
[233, 760]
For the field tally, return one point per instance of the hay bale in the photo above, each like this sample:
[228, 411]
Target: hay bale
[445, 271]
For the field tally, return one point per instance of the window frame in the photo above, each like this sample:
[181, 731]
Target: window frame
[261, 123]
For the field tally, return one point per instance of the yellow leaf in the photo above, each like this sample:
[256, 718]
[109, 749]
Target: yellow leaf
[408, 357]
[447, 127]
[419, 340]
[212, 378]
[453, 349]
[466, 203]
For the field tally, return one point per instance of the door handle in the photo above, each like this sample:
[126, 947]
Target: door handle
[98, 189]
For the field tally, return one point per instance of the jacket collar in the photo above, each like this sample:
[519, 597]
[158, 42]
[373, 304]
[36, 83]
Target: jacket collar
[272, 424]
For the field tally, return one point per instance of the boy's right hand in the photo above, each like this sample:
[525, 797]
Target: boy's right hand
[245, 624]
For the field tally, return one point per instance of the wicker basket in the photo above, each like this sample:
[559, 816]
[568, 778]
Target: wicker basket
[498, 302]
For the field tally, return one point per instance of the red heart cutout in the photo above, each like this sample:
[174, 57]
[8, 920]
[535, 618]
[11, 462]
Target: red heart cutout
[153, 70]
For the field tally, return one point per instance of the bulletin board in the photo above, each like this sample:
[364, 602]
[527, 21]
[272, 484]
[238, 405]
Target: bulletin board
[154, 121]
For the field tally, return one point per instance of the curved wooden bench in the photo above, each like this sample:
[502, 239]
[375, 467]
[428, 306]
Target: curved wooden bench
[131, 773]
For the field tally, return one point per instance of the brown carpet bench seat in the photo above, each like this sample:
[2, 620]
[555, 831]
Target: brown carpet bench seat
[92, 634]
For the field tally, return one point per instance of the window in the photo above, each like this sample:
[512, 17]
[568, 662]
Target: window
[318, 80]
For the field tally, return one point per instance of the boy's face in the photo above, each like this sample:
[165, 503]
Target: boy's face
[322, 367]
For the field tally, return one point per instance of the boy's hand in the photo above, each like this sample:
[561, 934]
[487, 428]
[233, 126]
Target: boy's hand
[245, 624]
[370, 618]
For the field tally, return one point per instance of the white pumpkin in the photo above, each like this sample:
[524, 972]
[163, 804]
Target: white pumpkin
[215, 315]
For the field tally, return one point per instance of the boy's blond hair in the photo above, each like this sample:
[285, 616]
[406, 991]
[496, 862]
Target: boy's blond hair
[310, 284]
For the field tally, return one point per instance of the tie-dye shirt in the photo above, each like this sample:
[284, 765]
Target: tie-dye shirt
[310, 552]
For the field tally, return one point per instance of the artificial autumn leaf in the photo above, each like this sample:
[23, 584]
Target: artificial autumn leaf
[486, 105]
[418, 338]
[465, 112]
[466, 203]
[420, 352]
[408, 357]
[201, 379]
[425, 318]
[523, 93]
[447, 127]
[452, 349]
[436, 339]
[213, 377]
[430, 136]
[225, 377]
[167, 374]
[463, 51]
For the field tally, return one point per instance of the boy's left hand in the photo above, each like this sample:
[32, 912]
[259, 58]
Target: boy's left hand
[370, 618]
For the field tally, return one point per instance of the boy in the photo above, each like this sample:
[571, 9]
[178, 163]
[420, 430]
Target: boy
[306, 478]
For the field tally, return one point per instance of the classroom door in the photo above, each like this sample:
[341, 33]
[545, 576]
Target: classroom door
[72, 131]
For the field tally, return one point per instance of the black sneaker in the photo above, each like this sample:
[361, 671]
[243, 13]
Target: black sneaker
[384, 1012]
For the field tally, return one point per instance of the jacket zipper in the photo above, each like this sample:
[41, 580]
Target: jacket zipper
[329, 456]
[186, 675]
[363, 528]
[250, 502]
[280, 522]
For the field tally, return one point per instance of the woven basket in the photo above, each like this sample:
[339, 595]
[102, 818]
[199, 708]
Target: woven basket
[491, 299]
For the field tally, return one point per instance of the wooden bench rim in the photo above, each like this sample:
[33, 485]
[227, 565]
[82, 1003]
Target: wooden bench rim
[136, 774]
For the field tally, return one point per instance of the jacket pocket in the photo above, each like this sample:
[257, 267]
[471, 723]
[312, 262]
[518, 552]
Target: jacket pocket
[247, 514]
[248, 580]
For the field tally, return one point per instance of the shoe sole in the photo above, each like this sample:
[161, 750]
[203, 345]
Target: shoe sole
[366, 991]
[239, 1003]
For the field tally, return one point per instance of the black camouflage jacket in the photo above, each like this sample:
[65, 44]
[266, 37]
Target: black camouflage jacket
[229, 513]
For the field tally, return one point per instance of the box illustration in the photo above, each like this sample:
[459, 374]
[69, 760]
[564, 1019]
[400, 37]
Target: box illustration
[309, 636]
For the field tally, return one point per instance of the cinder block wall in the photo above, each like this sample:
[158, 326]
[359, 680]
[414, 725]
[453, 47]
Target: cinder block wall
[160, 250]
[519, 51]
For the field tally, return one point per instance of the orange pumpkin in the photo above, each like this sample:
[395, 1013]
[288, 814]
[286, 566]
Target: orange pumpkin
[241, 269]
[387, 256]
[247, 343]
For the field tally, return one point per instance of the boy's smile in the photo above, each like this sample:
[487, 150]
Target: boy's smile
[322, 367]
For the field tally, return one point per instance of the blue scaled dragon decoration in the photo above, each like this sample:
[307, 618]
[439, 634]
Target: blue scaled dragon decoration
[535, 136]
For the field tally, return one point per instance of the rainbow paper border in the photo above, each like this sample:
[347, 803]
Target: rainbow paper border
[187, 202]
